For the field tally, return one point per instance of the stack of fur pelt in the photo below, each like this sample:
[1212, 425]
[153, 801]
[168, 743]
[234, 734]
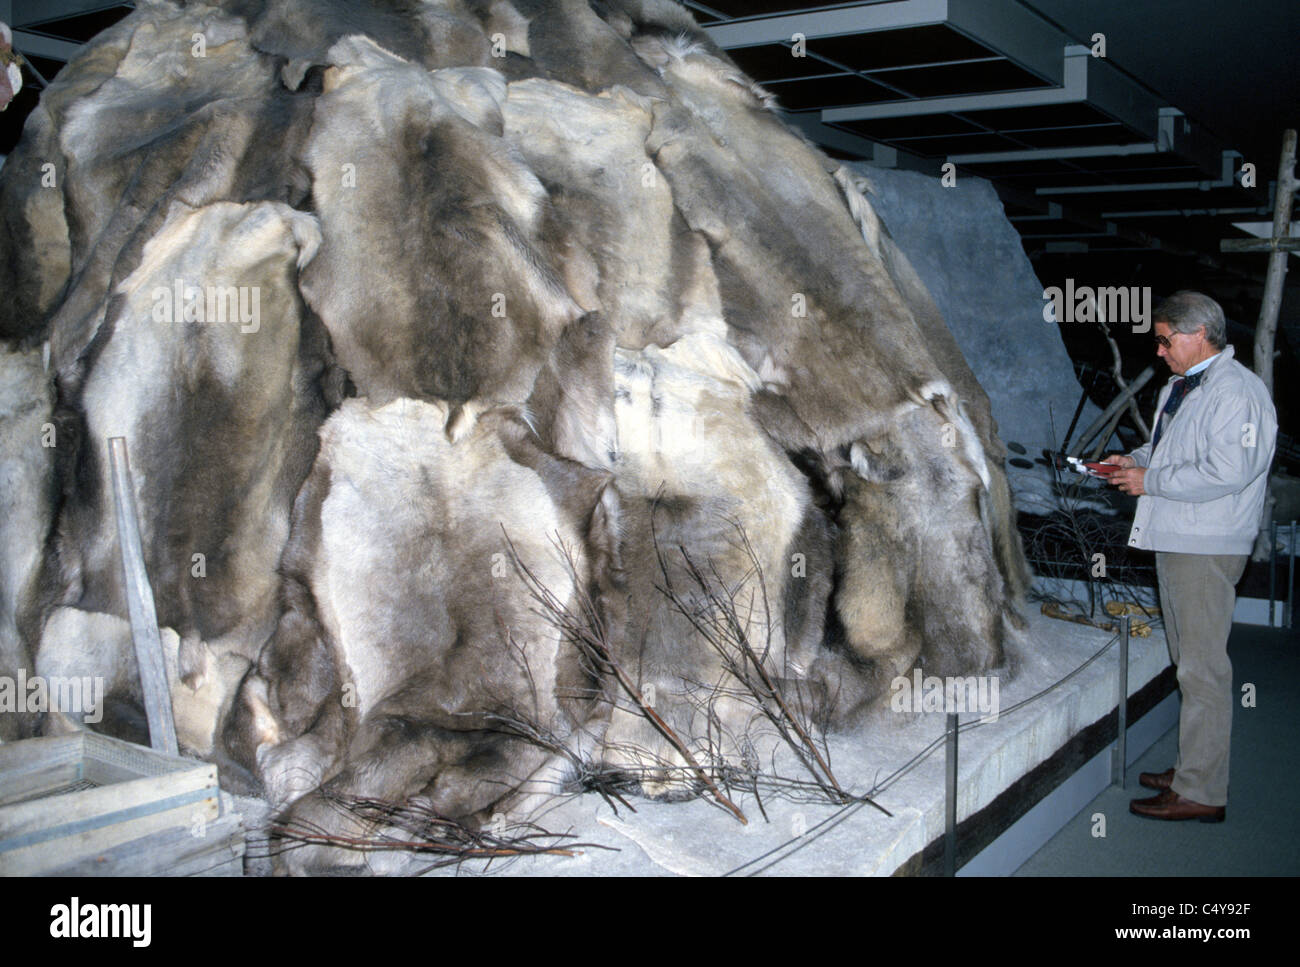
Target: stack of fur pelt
[408, 309]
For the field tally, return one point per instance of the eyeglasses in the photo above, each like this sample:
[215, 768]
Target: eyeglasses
[1164, 340]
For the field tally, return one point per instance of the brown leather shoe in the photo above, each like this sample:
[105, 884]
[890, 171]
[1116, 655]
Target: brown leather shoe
[1170, 805]
[1157, 780]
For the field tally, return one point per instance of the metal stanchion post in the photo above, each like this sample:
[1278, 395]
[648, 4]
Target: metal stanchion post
[1119, 765]
[1290, 573]
[950, 820]
[1272, 569]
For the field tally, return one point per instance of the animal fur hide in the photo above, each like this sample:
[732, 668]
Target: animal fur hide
[401, 303]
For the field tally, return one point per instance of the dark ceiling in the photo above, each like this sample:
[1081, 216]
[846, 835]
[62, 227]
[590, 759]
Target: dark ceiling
[1230, 66]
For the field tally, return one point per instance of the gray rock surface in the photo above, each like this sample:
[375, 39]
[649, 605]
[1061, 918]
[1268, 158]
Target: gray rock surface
[971, 259]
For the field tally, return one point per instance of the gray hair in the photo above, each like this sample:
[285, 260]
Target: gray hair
[1188, 311]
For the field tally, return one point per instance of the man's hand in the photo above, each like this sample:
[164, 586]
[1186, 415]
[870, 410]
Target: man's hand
[1129, 480]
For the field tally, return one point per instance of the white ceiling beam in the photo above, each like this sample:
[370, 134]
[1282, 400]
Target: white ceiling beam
[1173, 135]
[1074, 68]
[1226, 179]
[863, 18]
[1048, 154]
[1013, 31]
[1185, 212]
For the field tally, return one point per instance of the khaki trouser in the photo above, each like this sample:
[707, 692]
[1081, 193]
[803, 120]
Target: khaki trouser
[1197, 594]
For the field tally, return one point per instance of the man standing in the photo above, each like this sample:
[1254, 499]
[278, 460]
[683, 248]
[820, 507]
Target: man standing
[1201, 484]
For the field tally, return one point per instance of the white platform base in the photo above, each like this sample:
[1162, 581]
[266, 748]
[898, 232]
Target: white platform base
[1032, 831]
[696, 838]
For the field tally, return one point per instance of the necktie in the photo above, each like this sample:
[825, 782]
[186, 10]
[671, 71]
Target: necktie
[1182, 386]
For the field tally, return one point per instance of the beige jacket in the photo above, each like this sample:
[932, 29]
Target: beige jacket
[1207, 481]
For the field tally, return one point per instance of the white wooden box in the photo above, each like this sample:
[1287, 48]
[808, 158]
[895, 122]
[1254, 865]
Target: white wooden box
[65, 798]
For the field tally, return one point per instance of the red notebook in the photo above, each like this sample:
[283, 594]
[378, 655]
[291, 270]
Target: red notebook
[1102, 469]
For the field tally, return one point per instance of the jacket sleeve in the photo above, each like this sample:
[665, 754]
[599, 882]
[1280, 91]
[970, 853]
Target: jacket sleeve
[1235, 446]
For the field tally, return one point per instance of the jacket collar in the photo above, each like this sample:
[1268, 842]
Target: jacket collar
[1224, 354]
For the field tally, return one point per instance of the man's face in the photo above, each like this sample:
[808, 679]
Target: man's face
[1184, 350]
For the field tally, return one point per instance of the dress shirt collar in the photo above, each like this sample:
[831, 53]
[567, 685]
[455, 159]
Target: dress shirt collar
[1203, 364]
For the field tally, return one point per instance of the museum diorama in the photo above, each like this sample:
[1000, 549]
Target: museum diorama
[438, 431]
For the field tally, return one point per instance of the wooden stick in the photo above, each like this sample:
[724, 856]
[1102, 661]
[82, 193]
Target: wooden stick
[1117, 404]
[1260, 245]
[1104, 436]
[1116, 370]
[140, 605]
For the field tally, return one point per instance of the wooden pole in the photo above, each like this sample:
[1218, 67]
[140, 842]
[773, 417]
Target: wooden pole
[1117, 368]
[1270, 307]
[1104, 436]
[1266, 327]
[140, 605]
[1115, 407]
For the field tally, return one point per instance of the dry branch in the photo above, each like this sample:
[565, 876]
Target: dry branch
[586, 629]
[1117, 374]
[422, 831]
[715, 617]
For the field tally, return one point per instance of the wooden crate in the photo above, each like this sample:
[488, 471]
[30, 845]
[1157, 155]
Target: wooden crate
[215, 850]
[65, 799]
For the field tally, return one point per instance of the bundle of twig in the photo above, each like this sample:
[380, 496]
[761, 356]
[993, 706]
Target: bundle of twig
[723, 619]
[413, 826]
[584, 626]
[1063, 545]
[713, 613]
[586, 777]
[618, 785]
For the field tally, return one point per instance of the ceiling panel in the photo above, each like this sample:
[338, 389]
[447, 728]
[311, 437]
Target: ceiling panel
[1078, 137]
[753, 8]
[899, 48]
[943, 146]
[916, 126]
[1047, 116]
[769, 62]
[998, 75]
[829, 91]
